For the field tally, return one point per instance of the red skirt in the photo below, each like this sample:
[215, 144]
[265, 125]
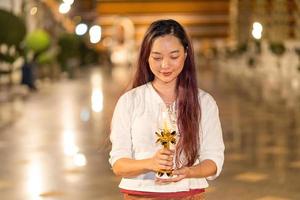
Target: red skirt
[194, 194]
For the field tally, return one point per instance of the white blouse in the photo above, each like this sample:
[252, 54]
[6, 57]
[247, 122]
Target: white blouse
[133, 136]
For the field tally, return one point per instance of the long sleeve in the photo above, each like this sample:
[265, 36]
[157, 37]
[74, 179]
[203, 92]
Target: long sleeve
[120, 136]
[212, 145]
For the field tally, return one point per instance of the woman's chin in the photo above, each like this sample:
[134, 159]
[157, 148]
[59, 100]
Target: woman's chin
[167, 80]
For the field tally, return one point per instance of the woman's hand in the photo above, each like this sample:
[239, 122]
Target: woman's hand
[179, 174]
[162, 160]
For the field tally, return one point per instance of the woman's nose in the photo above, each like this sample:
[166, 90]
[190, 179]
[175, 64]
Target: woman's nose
[164, 63]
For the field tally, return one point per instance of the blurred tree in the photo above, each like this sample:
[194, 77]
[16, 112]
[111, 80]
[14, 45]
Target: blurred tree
[37, 41]
[12, 33]
[69, 53]
[36, 44]
[13, 29]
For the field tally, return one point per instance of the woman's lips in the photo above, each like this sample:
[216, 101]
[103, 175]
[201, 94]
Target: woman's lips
[166, 73]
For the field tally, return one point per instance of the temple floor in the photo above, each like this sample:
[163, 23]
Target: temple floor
[54, 142]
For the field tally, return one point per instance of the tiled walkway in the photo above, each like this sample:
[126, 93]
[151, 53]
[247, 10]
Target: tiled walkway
[54, 146]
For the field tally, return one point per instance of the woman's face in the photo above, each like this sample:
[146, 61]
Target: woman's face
[166, 59]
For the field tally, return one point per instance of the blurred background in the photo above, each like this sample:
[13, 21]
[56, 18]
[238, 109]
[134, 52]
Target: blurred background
[64, 63]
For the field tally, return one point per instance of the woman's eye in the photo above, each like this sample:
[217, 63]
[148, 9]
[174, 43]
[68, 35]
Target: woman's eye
[174, 57]
[156, 58]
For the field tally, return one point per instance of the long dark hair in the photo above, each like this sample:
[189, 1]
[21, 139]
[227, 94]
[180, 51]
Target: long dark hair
[188, 105]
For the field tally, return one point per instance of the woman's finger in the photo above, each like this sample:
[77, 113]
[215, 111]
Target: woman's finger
[177, 172]
[165, 162]
[182, 171]
[165, 157]
[170, 180]
[167, 151]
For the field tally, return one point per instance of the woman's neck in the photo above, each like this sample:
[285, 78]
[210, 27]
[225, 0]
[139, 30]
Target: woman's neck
[167, 91]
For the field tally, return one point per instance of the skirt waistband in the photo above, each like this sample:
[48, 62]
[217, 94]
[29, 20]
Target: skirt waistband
[181, 194]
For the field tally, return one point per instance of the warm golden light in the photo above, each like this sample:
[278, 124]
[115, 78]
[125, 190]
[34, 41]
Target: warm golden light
[64, 8]
[97, 100]
[70, 148]
[79, 160]
[35, 182]
[81, 29]
[257, 30]
[70, 2]
[95, 34]
[97, 93]
[33, 10]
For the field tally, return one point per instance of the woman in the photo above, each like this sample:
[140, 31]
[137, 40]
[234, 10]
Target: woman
[166, 74]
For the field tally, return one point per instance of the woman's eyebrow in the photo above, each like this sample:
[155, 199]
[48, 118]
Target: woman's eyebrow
[155, 52]
[175, 51]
